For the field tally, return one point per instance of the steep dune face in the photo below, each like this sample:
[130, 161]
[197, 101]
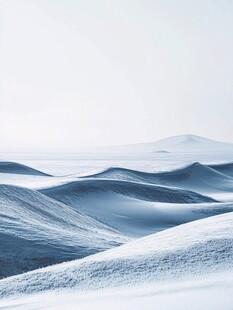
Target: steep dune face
[37, 231]
[72, 191]
[16, 168]
[188, 251]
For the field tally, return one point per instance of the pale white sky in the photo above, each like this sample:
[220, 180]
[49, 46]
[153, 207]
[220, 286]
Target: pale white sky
[86, 73]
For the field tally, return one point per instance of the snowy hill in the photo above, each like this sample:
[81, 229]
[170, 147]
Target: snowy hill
[188, 252]
[37, 231]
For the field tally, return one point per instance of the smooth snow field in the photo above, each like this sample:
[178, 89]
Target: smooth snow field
[146, 226]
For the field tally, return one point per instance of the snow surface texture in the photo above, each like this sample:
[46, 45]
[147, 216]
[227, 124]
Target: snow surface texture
[160, 224]
[210, 292]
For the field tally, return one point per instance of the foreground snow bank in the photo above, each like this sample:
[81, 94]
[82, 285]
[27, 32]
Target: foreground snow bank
[186, 252]
[212, 292]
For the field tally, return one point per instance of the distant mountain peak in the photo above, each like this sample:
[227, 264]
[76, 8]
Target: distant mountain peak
[180, 143]
[190, 139]
[189, 143]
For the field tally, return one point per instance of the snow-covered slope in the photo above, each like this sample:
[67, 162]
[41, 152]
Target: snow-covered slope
[197, 177]
[186, 252]
[16, 168]
[37, 231]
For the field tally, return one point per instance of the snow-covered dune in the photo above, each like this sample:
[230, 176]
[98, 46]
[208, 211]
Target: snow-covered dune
[37, 231]
[197, 177]
[137, 218]
[186, 252]
[16, 168]
[124, 174]
[148, 192]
